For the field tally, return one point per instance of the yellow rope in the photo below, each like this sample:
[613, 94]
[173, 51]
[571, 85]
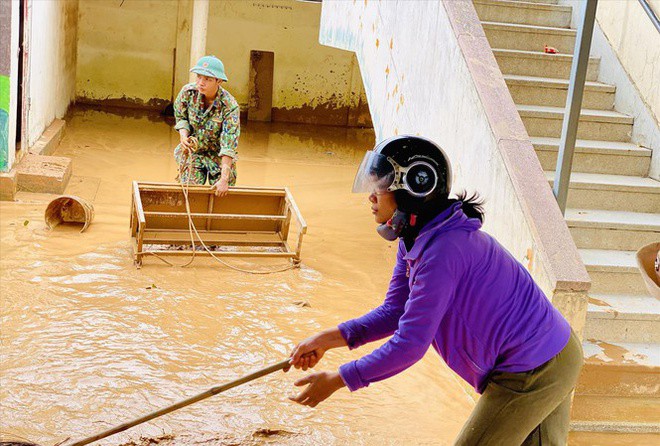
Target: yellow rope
[193, 229]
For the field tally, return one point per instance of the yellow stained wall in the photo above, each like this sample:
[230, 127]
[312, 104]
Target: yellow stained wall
[309, 78]
[636, 43]
[126, 51]
[126, 56]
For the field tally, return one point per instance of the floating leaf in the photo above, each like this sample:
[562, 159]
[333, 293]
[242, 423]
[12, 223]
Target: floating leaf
[26, 222]
[152, 287]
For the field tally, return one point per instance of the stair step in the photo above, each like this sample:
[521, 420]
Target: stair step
[546, 2]
[598, 229]
[528, 13]
[629, 437]
[43, 173]
[605, 157]
[544, 91]
[606, 125]
[512, 36]
[623, 318]
[620, 369]
[613, 271]
[612, 192]
[539, 64]
[604, 409]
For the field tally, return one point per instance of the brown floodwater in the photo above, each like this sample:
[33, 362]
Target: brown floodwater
[89, 341]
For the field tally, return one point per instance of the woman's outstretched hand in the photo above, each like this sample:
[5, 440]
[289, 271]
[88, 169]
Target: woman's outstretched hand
[320, 386]
[309, 352]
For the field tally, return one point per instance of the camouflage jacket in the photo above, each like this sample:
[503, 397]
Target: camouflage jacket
[216, 128]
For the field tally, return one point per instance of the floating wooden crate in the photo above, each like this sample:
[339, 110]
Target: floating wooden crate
[247, 222]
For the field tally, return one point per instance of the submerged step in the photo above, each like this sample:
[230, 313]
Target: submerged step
[633, 434]
[43, 173]
[611, 410]
[620, 369]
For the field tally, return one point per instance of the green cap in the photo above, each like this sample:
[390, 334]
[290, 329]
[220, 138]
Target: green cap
[210, 66]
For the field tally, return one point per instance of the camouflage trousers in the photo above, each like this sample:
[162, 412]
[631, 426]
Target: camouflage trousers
[197, 168]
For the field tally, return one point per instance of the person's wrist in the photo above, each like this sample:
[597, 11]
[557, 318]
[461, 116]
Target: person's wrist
[332, 338]
[337, 381]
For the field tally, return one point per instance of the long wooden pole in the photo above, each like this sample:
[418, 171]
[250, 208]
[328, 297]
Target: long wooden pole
[213, 391]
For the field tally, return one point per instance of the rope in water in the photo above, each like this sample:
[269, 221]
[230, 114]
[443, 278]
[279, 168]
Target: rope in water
[192, 229]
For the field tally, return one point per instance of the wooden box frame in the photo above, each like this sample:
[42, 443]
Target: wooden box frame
[247, 217]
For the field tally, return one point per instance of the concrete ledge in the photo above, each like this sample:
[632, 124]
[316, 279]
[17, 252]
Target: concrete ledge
[50, 138]
[8, 185]
[44, 174]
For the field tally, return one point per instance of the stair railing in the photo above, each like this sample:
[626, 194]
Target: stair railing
[649, 11]
[574, 103]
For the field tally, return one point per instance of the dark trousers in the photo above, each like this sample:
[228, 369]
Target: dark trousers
[529, 408]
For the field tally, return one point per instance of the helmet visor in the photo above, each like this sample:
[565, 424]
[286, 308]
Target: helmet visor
[376, 174]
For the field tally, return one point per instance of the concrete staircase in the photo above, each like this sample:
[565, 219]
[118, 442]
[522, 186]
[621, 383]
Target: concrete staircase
[613, 211]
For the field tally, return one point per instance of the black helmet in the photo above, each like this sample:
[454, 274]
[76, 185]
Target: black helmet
[415, 168]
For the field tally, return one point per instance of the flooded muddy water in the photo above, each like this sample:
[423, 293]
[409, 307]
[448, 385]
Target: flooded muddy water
[89, 341]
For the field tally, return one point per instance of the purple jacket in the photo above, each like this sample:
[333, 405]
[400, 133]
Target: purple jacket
[459, 290]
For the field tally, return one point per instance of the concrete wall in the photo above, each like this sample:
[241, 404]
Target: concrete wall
[126, 52]
[9, 20]
[52, 62]
[312, 82]
[635, 41]
[126, 56]
[447, 86]
[629, 47]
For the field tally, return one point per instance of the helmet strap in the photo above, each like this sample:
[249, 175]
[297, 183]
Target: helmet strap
[396, 226]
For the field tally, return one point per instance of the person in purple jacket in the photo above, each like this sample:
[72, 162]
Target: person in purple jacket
[455, 288]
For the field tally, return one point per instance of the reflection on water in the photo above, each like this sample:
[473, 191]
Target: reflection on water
[88, 341]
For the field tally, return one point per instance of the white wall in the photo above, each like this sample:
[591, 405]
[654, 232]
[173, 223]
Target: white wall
[448, 87]
[629, 48]
[52, 62]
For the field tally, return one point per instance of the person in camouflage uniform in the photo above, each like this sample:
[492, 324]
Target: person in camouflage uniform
[207, 119]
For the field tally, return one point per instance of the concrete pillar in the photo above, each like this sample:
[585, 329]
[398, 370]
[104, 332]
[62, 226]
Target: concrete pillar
[200, 20]
[183, 36]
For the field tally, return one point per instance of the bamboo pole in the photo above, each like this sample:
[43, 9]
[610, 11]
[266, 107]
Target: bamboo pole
[213, 391]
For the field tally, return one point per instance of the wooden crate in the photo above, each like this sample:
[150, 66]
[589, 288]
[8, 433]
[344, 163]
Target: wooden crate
[247, 222]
